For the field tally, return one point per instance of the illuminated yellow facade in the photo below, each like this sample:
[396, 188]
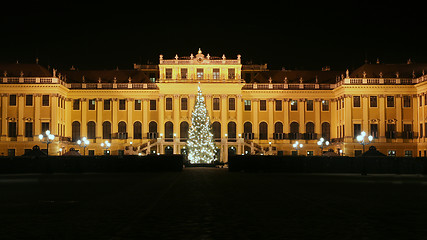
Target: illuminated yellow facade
[252, 109]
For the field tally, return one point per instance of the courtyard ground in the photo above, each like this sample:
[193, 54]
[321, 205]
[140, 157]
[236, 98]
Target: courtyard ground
[209, 203]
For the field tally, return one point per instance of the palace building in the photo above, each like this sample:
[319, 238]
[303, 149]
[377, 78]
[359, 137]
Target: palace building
[253, 110]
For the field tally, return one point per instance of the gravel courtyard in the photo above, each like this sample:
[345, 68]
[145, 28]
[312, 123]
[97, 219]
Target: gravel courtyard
[209, 203]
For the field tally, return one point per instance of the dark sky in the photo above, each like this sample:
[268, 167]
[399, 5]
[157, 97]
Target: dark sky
[302, 35]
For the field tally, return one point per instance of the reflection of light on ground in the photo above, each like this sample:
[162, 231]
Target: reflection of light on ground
[18, 180]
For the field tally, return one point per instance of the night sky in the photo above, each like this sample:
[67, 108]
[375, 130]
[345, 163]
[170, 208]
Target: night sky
[302, 35]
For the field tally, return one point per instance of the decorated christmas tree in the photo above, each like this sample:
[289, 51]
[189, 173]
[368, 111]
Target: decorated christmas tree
[200, 143]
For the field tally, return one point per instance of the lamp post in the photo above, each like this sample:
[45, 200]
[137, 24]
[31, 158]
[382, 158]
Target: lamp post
[106, 145]
[362, 139]
[322, 144]
[297, 146]
[83, 143]
[49, 139]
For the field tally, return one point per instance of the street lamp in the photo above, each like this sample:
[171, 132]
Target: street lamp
[49, 139]
[362, 139]
[322, 144]
[297, 146]
[106, 145]
[83, 143]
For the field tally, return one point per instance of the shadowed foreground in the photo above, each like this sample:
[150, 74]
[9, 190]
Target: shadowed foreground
[208, 203]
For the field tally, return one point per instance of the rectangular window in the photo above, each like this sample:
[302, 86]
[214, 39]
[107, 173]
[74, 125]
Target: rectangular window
[92, 103]
[138, 104]
[356, 101]
[216, 104]
[406, 101]
[408, 153]
[168, 73]
[421, 101]
[76, 104]
[248, 105]
[107, 104]
[390, 101]
[28, 129]
[153, 105]
[392, 153]
[184, 73]
[199, 72]
[309, 104]
[215, 73]
[232, 104]
[231, 73]
[374, 130]
[357, 129]
[152, 77]
[357, 152]
[373, 101]
[184, 104]
[421, 130]
[45, 127]
[122, 104]
[325, 105]
[28, 100]
[294, 105]
[168, 103]
[11, 152]
[45, 100]
[12, 129]
[263, 105]
[278, 105]
[12, 100]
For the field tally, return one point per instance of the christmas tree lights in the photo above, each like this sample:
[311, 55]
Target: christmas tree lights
[200, 143]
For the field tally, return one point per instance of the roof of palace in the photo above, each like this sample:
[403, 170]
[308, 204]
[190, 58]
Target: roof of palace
[408, 70]
[25, 70]
[295, 76]
[106, 76]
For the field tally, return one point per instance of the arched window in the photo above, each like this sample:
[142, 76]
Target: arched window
[247, 131]
[278, 130]
[247, 127]
[183, 130]
[231, 130]
[75, 131]
[278, 127]
[216, 129]
[152, 127]
[309, 127]
[122, 133]
[326, 130]
[122, 127]
[169, 130]
[309, 131]
[106, 130]
[263, 131]
[152, 130]
[294, 131]
[91, 130]
[137, 130]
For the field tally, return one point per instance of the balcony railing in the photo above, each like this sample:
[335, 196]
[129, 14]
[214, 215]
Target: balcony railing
[112, 85]
[119, 135]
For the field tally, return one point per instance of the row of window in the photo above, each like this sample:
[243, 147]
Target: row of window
[216, 129]
[29, 100]
[373, 101]
[215, 104]
[200, 74]
[390, 130]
